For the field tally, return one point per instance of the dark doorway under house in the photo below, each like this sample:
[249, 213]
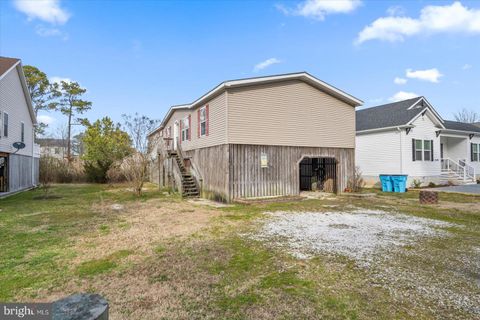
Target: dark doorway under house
[3, 172]
[318, 172]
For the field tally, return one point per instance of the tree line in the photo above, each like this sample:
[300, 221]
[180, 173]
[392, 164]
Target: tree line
[110, 150]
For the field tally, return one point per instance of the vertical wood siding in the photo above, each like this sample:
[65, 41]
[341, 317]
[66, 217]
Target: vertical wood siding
[20, 172]
[282, 177]
[212, 162]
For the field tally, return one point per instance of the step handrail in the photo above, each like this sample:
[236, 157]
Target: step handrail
[466, 171]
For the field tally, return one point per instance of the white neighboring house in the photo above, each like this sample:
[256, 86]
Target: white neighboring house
[410, 137]
[18, 167]
[51, 147]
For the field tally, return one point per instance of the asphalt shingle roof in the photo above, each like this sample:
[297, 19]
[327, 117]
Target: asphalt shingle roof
[387, 115]
[6, 63]
[461, 126]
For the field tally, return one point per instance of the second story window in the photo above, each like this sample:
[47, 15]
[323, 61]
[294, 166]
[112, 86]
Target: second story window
[5, 124]
[203, 121]
[22, 131]
[186, 128]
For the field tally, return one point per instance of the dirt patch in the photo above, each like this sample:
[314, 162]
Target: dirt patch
[141, 226]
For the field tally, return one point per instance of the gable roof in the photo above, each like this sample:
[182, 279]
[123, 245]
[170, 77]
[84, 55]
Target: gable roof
[302, 76]
[388, 115]
[402, 114]
[8, 64]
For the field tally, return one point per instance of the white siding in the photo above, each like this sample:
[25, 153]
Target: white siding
[13, 101]
[475, 164]
[378, 153]
[424, 130]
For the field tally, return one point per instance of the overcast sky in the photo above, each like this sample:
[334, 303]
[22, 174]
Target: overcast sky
[145, 56]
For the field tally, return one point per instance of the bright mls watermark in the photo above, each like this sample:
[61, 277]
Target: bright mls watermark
[26, 311]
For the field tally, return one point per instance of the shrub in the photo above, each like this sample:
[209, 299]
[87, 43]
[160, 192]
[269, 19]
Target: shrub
[356, 182]
[416, 183]
[432, 185]
[53, 170]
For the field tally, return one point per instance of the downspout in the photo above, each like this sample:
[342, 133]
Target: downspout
[33, 156]
[401, 150]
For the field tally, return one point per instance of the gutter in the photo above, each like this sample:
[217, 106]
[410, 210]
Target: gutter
[385, 129]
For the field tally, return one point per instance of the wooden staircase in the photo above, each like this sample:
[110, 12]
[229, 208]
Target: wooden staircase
[189, 186]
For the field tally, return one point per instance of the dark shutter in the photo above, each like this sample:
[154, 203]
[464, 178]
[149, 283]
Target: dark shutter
[431, 151]
[413, 149]
[471, 151]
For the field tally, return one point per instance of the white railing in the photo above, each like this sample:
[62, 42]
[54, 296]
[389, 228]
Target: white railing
[463, 171]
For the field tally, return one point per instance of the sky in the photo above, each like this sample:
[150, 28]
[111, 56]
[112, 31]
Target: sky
[144, 56]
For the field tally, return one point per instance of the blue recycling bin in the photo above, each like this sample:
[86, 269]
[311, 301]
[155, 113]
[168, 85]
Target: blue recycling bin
[399, 182]
[386, 182]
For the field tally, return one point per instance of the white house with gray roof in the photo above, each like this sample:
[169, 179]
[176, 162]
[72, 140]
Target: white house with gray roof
[410, 137]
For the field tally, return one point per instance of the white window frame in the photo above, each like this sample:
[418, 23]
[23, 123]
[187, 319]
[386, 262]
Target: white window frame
[22, 131]
[418, 150]
[203, 113]
[477, 153]
[185, 129]
[430, 158]
[5, 124]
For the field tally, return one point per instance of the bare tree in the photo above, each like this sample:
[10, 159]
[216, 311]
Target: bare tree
[134, 167]
[467, 116]
[47, 173]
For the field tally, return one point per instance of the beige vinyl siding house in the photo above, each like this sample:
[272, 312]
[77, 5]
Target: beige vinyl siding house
[256, 134]
[18, 167]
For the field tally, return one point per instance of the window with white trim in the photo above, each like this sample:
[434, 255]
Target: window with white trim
[185, 129]
[5, 124]
[418, 150]
[22, 131]
[422, 150]
[427, 150]
[203, 121]
[475, 152]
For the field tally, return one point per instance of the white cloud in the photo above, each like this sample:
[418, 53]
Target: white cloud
[431, 75]
[399, 80]
[46, 119]
[402, 95]
[466, 66]
[454, 18]
[265, 64]
[396, 11]
[318, 9]
[45, 10]
[50, 32]
[59, 79]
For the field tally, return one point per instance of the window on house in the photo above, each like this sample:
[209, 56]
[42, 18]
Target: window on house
[418, 150]
[203, 121]
[427, 150]
[5, 124]
[57, 150]
[475, 152]
[22, 132]
[185, 129]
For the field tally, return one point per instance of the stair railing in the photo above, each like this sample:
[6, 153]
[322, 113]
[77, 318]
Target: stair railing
[464, 172]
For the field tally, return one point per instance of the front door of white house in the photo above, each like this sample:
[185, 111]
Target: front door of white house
[175, 135]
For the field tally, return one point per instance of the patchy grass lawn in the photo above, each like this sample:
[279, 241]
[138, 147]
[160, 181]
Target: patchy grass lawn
[159, 257]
